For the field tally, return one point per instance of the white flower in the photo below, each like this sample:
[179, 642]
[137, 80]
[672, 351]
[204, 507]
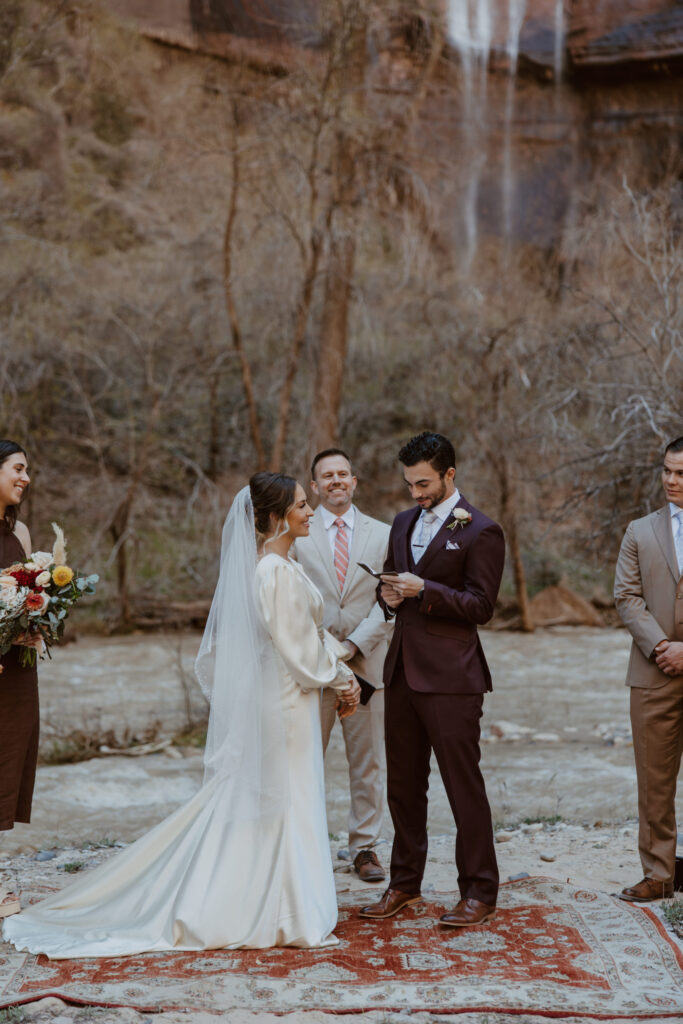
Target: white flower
[30, 565]
[44, 578]
[462, 515]
[42, 559]
[8, 581]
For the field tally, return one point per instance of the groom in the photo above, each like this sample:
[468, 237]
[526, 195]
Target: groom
[440, 580]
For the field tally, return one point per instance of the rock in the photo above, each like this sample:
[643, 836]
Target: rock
[560, 606]
[534, 826]
[343, 854]
[549, 857]
[516, 878]
[545, 737]
[50, 1003]
[504, 837]
[45, 855]
[508, 730]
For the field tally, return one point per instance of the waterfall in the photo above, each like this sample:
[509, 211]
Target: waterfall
[558, 56]
[470, 30]
[516, 12]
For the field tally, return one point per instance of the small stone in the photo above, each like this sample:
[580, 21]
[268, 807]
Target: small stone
[343, 854]
[45, 855]
[517, 878]
[534, 826]
[504, 837]
[42, 1005]
[549, 857]
[545, 737]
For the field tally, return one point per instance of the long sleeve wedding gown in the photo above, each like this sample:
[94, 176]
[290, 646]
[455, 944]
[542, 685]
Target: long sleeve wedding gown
[199, 879]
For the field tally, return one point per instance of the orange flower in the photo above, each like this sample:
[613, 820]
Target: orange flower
[36, 602]
[62, 574]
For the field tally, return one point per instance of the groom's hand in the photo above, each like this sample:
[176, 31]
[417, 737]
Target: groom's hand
[390, 596]
[406, 584]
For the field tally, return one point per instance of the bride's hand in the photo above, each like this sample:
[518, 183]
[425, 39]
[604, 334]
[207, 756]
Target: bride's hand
[348, 699]
[30, 640]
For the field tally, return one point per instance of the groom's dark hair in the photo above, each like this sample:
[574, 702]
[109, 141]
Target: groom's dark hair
[435, 449]
[674, 446]
[324, 454]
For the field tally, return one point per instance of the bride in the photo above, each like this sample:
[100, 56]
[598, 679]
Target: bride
[246, 863]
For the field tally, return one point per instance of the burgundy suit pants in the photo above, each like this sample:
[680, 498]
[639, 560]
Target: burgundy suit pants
[447, 723]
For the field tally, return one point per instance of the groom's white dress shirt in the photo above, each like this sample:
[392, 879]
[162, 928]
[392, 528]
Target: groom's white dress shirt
[418, 542]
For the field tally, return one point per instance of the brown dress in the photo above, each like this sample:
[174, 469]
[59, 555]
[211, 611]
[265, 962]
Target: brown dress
[19, 721]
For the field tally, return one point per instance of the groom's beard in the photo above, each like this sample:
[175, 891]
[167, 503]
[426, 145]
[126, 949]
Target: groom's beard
[437, 498]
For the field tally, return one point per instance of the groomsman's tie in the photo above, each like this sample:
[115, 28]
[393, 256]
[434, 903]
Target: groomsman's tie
[678, 538]
[424, 534]
[341, 551]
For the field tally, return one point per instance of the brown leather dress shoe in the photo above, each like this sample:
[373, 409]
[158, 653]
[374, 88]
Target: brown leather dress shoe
[467, 913]
[367, 867]
[390, 904]
[646, 891]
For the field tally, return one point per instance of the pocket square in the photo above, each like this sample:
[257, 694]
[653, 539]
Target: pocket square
[452, 545]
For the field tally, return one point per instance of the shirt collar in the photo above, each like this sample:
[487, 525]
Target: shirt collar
[443, 510]
[674, 510]
[329, 518]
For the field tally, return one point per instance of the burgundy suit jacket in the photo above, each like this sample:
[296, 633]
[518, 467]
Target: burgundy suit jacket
[436, 634]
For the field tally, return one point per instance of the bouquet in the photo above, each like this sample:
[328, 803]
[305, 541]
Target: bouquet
[36, 595]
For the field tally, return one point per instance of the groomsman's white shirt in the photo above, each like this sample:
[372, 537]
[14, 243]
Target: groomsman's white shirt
[677, 531]
[329, 520]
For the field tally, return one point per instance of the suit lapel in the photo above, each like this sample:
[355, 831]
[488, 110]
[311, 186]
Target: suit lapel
[439, 539]
[663, 532]
[359, 539]
[318, 535]
[408, 551]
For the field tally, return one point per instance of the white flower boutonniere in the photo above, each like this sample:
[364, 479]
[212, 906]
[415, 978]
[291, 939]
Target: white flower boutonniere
[461, 517]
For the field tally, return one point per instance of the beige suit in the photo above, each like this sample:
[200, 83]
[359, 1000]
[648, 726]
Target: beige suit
[648, 591]
[353, 614]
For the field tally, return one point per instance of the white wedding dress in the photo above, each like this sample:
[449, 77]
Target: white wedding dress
[203, 879]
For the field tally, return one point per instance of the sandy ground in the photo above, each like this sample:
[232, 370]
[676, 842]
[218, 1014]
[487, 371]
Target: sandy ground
[556, 754]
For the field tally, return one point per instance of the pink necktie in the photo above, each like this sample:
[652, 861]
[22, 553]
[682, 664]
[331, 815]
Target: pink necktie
[341, 552]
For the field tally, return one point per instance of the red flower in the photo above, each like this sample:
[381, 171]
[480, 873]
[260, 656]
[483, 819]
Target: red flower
[25, 577]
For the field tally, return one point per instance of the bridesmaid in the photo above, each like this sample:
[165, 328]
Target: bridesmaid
[18, 686]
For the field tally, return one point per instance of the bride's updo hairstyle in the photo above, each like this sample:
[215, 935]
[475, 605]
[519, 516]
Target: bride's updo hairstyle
[272, 495]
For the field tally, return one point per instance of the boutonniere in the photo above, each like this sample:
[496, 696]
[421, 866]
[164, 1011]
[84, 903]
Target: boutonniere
[461, 517]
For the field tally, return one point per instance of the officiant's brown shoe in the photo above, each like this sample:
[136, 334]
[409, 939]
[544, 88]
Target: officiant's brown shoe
[390, 904]
[646, 891]
[367, 867]
[468, 912]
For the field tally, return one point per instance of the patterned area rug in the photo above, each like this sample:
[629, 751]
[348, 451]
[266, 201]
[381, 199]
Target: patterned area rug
[552, 950]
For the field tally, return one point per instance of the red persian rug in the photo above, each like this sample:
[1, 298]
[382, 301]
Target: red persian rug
[552, 950]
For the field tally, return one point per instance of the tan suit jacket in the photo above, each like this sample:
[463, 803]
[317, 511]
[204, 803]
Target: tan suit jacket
[648, 593]
[352, 613]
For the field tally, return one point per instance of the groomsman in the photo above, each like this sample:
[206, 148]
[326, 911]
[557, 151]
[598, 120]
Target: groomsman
[441, 581]
[340, 537]
[648, 591]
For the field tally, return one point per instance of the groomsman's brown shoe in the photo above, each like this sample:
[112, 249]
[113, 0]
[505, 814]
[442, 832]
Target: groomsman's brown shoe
[367, 867]
[646, 891]
[467, 913]
[390, 904]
